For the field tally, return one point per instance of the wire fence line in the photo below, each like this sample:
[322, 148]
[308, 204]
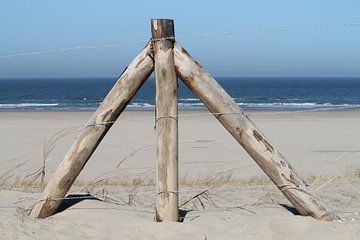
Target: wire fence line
[220, 183]
[215, 189]
[203, 113]
[185, 36]
[146, 191]
[76, 128]
[217, 114]
[118, 199]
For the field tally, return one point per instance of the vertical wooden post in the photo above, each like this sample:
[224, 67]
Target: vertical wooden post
[167, 199]
[215, 98]
[115, 102]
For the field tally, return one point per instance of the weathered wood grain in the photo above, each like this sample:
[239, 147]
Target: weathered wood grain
[167, 199]
[295, 189]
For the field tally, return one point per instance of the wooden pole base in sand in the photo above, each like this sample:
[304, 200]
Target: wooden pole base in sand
[115, 102]
[167, 199]
[215, 98]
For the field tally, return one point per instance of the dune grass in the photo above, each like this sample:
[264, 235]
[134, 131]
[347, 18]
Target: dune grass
[33, 182]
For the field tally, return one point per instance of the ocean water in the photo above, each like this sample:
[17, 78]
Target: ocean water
[250, 93]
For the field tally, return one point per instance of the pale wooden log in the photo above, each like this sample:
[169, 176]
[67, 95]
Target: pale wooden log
[167, 199]
[115, 102]
[215, 98]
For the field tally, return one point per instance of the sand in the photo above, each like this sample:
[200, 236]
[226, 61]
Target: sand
[240, 203]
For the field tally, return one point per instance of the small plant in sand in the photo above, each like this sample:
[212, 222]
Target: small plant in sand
[198, 200]
[357, 173]
[10, 181]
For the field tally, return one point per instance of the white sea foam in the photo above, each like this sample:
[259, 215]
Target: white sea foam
[26, 105]
[189, 99]
[141, 105]
[290, 105]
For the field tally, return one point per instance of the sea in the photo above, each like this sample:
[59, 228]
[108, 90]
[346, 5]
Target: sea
[85, 94]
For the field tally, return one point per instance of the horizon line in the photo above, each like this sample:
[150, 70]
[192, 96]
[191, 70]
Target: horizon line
[112, 77]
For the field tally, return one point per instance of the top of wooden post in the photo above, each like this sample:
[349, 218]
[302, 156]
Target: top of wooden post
[162, 28]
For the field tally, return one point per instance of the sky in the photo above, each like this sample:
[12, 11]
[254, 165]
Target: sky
[28, 26]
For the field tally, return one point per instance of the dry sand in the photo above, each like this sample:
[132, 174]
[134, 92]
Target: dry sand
[240, 203]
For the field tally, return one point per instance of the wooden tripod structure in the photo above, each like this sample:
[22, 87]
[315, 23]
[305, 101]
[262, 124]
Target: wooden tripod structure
[170, 60]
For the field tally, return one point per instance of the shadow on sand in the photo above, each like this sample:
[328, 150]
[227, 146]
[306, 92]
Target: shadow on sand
[73, 199]
[290, 209]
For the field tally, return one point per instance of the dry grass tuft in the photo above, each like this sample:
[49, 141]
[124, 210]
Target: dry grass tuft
[10, 181]
[357, 174]
[49, 145]
[213, 180]
[198, 201]
[19, 183]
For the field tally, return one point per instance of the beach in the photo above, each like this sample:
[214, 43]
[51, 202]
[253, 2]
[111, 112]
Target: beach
[237, 198]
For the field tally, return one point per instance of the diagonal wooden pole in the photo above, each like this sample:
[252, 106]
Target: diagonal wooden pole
[215, 98]
[167, 199]
[115, 102]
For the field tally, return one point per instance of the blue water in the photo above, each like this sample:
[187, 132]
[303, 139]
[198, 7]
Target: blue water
[249, 93]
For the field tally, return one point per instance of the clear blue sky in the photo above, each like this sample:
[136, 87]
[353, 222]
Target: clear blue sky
[38, 24]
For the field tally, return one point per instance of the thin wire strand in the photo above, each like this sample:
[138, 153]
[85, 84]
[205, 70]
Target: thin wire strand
[270, 29]
[186, 36]
[216, 114]
[70, 49]
[207, 114]
[108, 196]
